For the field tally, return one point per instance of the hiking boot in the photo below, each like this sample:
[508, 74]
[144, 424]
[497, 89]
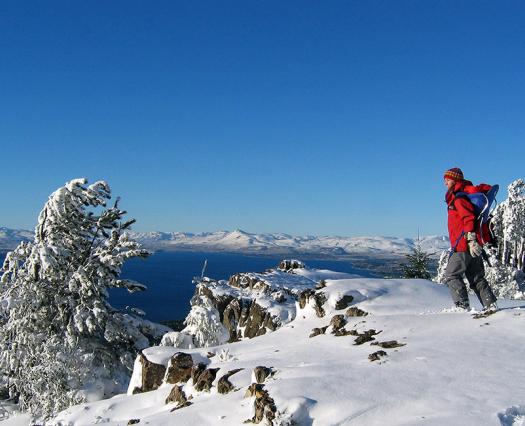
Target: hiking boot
[463, 306]
[491, 308]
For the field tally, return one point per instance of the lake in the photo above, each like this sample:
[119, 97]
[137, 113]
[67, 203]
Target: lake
[168, 276]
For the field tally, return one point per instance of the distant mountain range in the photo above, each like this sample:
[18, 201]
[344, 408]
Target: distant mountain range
[239, 241]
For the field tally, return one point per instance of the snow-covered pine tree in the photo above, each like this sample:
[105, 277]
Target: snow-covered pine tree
[61, 342]
[442, 267]
[203, 322]
[506, 272]
[417, 263]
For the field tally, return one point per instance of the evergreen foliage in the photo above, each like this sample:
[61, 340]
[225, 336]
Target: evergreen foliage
[61, 342]
[417, 263]
[203, 322]
[506, 272]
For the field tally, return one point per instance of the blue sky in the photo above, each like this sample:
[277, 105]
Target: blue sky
[303, 117]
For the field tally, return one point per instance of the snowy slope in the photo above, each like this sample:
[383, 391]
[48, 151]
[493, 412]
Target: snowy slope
[453, 369]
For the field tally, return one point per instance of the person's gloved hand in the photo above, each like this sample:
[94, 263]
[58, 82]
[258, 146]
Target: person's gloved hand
[473, 246]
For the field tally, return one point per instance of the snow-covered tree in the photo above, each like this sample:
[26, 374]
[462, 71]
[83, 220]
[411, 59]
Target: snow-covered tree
[509, 226]
[417, 263]
[61, 342]
[203, 322]
[506, 271]
[442, 266]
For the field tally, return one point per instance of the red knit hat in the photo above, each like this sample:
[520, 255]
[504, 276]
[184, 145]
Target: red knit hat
[455, 174]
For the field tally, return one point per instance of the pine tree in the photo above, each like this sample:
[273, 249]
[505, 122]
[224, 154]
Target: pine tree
[442, 267]
[417, 263]
[61, 342]
[506, 271]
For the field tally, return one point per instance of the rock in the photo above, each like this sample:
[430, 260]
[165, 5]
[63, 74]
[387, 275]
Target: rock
[376, 356]
[344, 302]
[246, 280]
[152, 374]
[337, 322]
[177, 395]
[231, 317]
[318, 331]
[205, 380]
[196, 372]
[343, 332]
[179, 368]
[355, 312]
[366, 336]
[264, 407]
[390, 344]
[178, 407]
[279, 296]
[261, 373]
[133, 421]
[253, 389]
[321, 284]
[319, 300]
[210, 355]
[304, 297]
[224, 385]
[256, 320]
[288, 265]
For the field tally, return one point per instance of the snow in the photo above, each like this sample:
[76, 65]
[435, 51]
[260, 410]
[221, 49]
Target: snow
[276, 243]
[453, 369]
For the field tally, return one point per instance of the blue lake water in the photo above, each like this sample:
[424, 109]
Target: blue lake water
[168, 276]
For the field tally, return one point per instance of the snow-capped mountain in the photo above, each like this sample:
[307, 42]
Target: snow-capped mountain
[238, 240]
[10, 238]
[275, 243]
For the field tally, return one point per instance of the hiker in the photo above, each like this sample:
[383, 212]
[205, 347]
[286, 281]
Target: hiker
[466, 241]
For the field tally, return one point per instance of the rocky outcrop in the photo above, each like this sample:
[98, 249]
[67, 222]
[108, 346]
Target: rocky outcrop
[152, 375]
[376, 356]
[264, 406]
[337, 322]
[317, 331]
[231, 319]
[246, 306]
[318, 298]
[344, 302]
[251, 281]
[260, 373]
[196, 371]
[205, 379]
[256, 320]
[224, 385]
[177, 395]
[354, 311]
[366, 336]
[389, 344]
[288, 265]
[179, 368]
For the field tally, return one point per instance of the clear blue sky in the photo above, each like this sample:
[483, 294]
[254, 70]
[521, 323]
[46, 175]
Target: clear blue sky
[305, 117]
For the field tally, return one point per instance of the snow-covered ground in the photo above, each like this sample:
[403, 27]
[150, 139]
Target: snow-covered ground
[240, 241]
[452, 369]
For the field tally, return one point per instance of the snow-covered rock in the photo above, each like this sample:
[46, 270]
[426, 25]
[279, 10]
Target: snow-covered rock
[247, 305]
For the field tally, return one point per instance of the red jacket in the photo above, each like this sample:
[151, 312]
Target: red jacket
[461, 215]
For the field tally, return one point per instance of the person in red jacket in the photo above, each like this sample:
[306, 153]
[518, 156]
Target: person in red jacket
[466, 241]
